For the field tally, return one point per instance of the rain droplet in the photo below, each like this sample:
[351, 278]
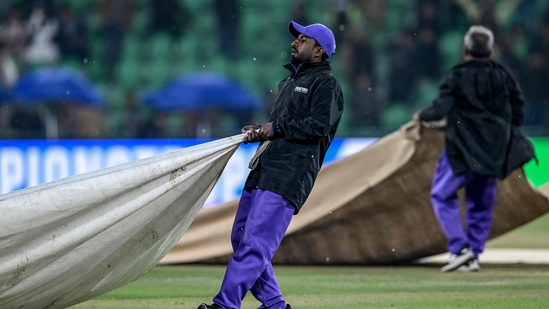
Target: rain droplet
[327, 259]
[85, 60]
[254, 58]
[393, 250]
[68, 92]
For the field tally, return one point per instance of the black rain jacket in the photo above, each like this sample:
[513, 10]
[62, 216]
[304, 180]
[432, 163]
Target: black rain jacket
[482, 103]
[305, 117]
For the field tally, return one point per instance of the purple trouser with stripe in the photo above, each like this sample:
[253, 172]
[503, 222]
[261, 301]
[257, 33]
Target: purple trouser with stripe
[480, 194]
[260, 223]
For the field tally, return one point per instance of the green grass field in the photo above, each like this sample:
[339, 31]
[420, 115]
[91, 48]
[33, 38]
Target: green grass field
[345, 287]
[414, 286]
[534, 235]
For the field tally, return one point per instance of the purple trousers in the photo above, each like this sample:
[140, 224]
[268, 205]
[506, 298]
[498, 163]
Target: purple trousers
[480, 194]
[260, 223]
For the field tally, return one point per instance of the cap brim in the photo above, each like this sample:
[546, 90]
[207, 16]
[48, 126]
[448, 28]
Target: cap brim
[296, 29]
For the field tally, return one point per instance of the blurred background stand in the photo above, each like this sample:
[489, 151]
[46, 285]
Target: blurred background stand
[202, 98]
[56, 90]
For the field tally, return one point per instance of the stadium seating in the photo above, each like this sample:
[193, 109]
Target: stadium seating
[149, 59]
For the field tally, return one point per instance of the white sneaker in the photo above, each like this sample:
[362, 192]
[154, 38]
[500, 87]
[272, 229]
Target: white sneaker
[472, 266]
[457, 260]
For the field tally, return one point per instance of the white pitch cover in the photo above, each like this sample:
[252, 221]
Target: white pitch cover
[67, 241]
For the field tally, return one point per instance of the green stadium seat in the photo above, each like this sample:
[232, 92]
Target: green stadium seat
[78, 7]
[521, 49]
[450, 45]
[141, 4]
[394, 20]
[72, 62]
[248, 73]
[197, 8]
[187, 65]
[93, 21]
[189, 54]
[317, 13]
[132, 47]
[96, 48]
[426, 92]
[155, 73]
[160, 45]
[188, 48]
[95, 70]
[210, 48]
[140, 22]
[95, 67]
[541, 7]
[218, 64]
[281, 9]
[206, 24]
[174, 125]
[250, 32]
[113, 121]
[128, 74]
[113, 97]
[273, 74]
[396, 115]
[251, 4]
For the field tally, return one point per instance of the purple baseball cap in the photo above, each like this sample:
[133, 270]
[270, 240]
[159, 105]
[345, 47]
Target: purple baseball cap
[319, 32]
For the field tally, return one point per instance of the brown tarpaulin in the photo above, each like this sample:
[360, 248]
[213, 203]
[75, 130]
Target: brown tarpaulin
[369, 208]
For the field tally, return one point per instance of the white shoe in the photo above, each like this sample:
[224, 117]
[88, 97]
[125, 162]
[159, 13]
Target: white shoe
[457, 260]
[472, 266]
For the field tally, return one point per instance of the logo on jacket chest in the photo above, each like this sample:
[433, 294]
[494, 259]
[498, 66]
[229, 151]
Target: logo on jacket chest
[301, 89]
